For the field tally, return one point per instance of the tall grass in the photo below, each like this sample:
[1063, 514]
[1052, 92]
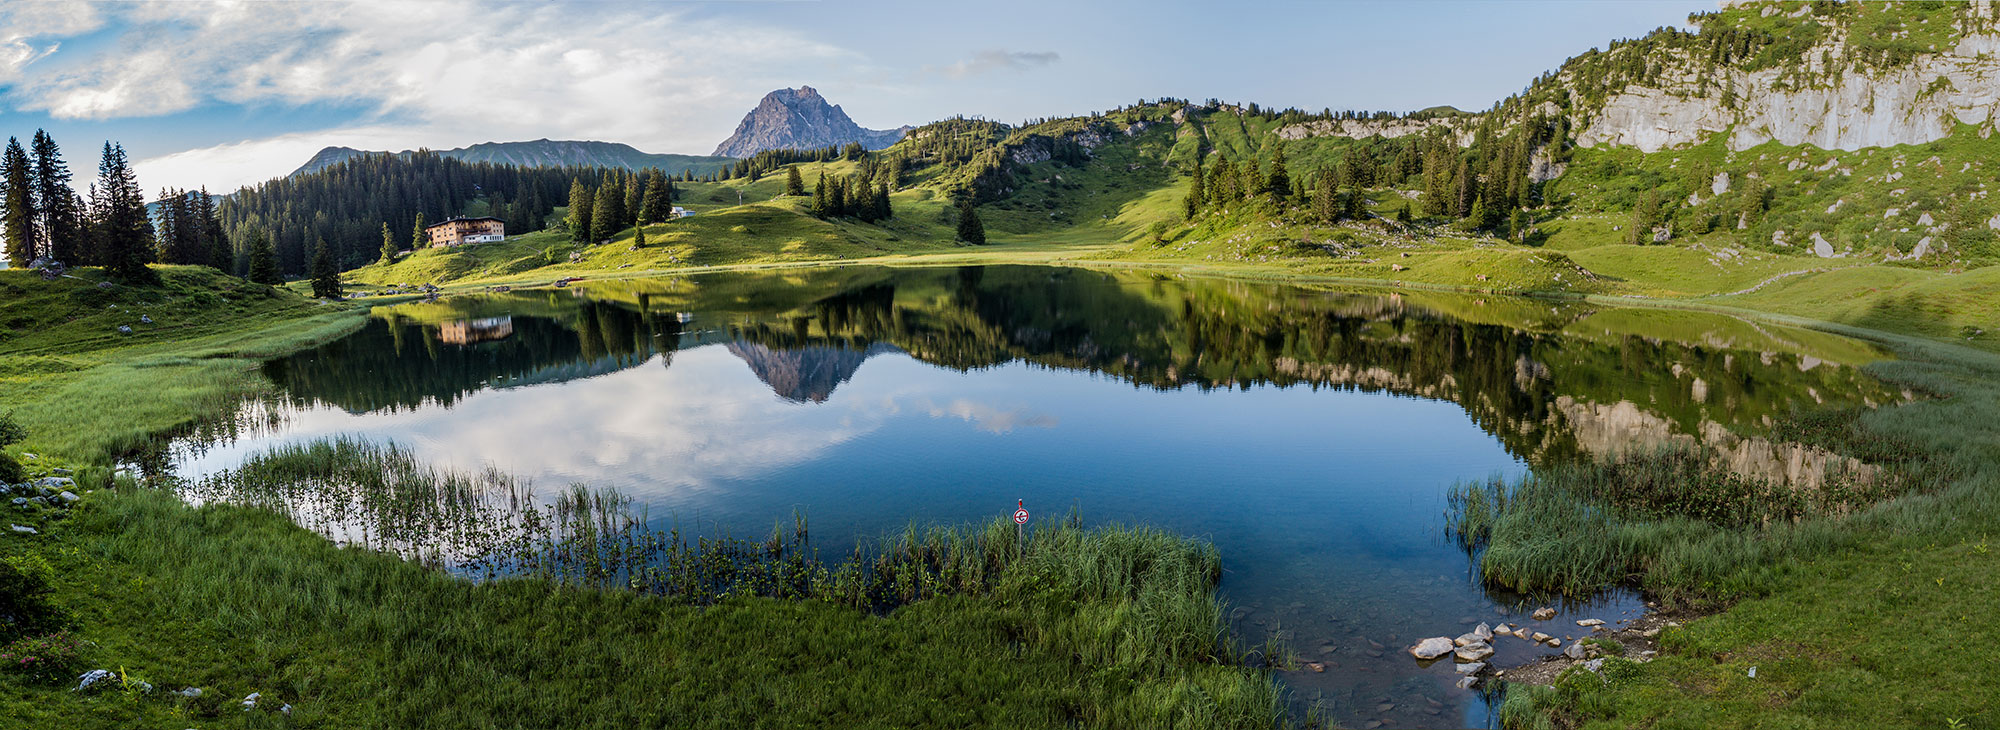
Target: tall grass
[1085, 627]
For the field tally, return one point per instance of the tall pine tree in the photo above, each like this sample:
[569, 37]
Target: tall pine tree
[970, 230]
[794, 185]
[124, 229]
[388, 246]
[325, 278]
[607, 215]
[580, 203]
[263, 259]
[59, 216]
[17, 206]
[419, 240]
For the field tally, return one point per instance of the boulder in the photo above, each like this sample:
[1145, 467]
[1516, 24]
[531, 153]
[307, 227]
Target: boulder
[55, 482]
[1539, 637]
[191, 692]
[1544, 613]
[124, 330]
[1467, 682]
[1484, 632]
[1575, 651]
[1432, 648]
[1588, 622]
[1471, 668]
[23, 529]
[1474, 652]
[69, 497]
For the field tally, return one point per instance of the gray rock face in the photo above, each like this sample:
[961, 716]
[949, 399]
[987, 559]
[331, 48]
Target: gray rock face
[800, 119]
[1845, 107]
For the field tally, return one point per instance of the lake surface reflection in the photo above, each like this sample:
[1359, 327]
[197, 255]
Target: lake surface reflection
[1310, 434]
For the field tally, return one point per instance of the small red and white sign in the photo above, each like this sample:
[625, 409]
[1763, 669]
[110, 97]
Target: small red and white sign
[1020, 513]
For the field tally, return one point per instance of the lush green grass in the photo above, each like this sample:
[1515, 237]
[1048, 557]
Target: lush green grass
[85, 392]
[1085, 628]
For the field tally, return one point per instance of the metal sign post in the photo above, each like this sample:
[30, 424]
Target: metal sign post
[1020, 524]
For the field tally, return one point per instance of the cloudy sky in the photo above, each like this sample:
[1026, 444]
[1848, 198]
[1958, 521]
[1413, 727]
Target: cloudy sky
[224, 94]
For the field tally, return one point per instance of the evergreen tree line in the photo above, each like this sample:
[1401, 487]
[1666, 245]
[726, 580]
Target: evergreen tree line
[346, 205]
[187, 230]
[41, 216]
[864, 198]
[1485, 186]
[621, 199]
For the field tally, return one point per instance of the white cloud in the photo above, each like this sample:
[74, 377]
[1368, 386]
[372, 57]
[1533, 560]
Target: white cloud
[999, 60]
[446, 73]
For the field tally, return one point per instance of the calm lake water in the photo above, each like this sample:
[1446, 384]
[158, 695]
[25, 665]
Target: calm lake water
[1310, 434]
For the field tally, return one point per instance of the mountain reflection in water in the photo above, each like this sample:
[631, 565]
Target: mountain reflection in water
[1310, 434]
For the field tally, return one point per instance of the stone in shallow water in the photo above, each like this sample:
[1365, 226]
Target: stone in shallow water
[1544, 613]
[1474, 652]
[1431, 648]
[1472, 668]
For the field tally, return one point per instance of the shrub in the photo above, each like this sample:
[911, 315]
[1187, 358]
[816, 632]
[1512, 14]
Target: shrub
[49, 658]
[25, 607]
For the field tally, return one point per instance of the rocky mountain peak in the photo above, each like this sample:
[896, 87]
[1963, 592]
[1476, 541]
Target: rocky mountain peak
[800, 119]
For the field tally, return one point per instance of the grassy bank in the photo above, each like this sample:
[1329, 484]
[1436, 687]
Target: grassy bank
[88, 392]
[1850, 611]
[1078, 628]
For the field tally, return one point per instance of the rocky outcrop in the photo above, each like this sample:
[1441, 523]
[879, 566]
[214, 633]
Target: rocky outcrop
[800, 119]
[1365, 128]
[1827, 100]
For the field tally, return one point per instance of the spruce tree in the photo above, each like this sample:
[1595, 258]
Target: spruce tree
[606, 214]
[658, 203]
[60, 219]
[634, 195]
[214, 239]
[263, 259]
[1403, 216]
[325, 278]
[820, 197]
[126, 230]
[1324, 204]
[639, 236]
[580, 203]
[970, 230]
[388, 246]
[794, 185]
[1279, 182]
[17, 206]
[1197, 194]
[419, 240]
[883, 211]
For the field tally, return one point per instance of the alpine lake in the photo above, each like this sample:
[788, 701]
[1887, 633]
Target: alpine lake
[1311, 434]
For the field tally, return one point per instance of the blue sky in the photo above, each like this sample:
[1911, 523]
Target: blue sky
[225, 94]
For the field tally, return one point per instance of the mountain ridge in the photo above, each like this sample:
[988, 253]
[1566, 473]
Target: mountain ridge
[542, 153]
